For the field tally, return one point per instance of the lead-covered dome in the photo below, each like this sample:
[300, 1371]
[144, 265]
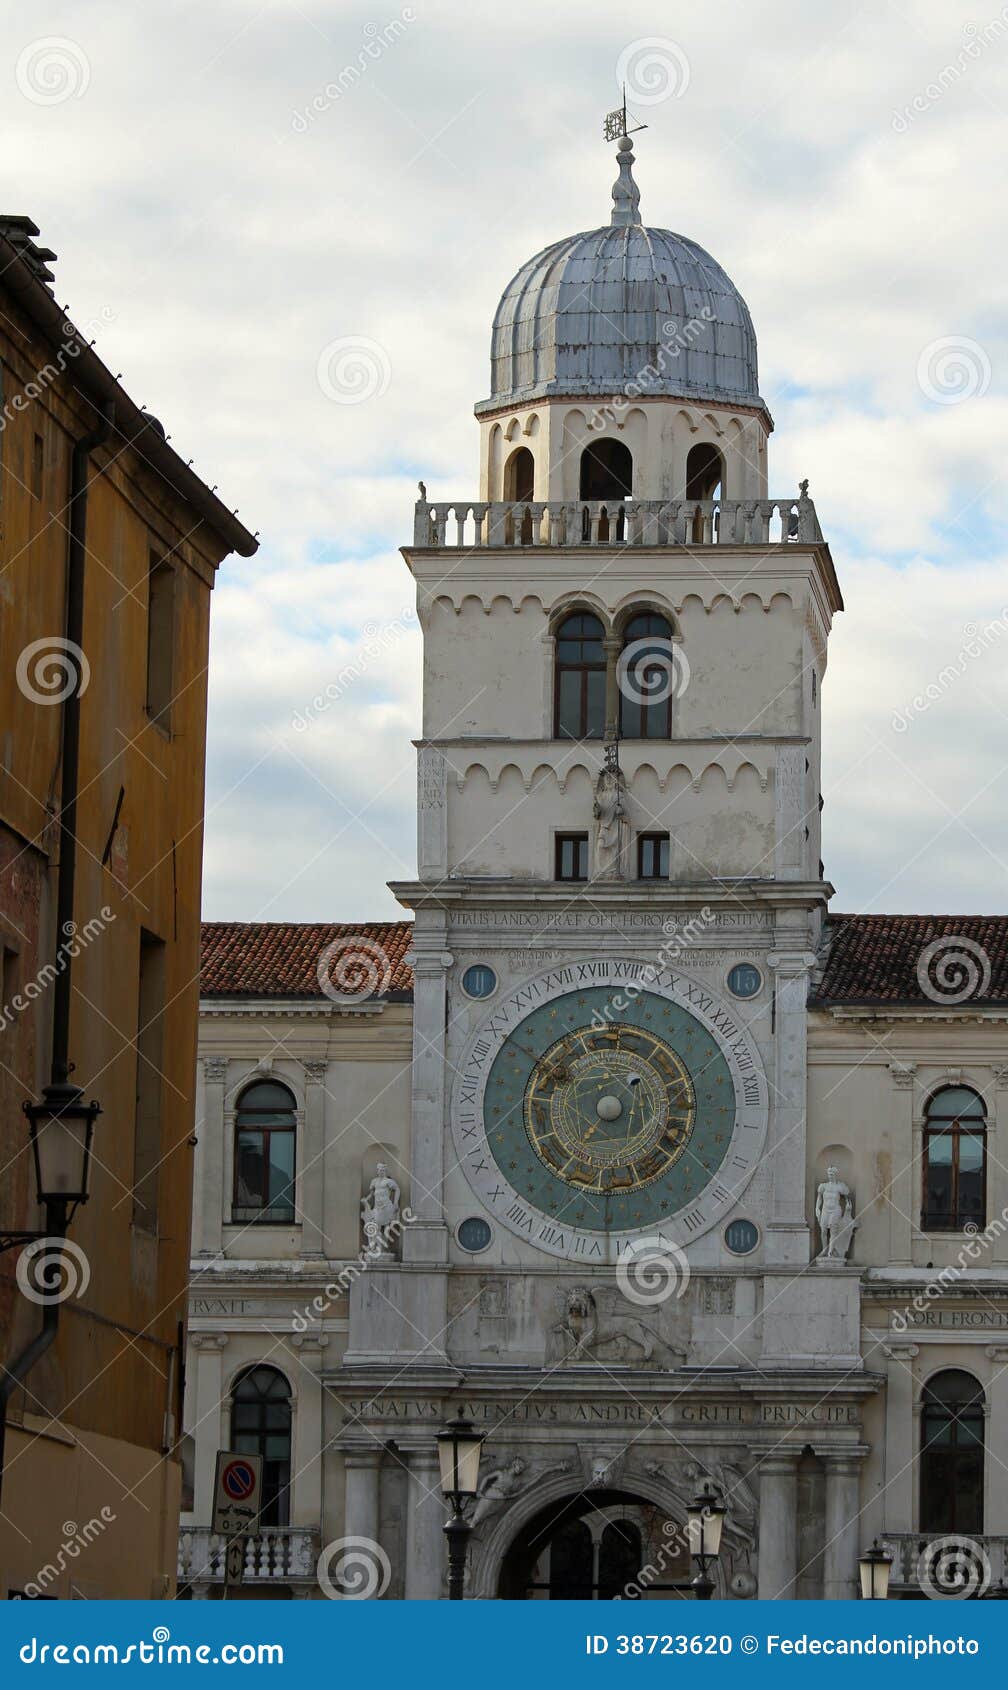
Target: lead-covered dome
[623, 309]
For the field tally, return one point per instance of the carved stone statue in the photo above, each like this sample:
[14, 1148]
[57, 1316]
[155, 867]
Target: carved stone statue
[380, 1213]
[834, 1211]
[588, 1331]
[610, 820]
[502, 1484]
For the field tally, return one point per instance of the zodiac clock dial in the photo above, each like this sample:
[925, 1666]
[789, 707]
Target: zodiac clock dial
[584, 1117]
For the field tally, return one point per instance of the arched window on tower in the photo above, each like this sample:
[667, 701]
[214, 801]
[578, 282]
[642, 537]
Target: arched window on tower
[647, 678]
[580, 698]
[952, 1454]
[606, 475]
[704, 480]
[265, 1131]
[955, 1161]
[519, 482]
[261, 1425]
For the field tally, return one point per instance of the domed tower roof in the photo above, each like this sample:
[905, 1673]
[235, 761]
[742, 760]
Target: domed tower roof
[623, 309]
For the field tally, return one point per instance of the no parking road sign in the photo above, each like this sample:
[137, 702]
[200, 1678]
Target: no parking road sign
[237, 1493]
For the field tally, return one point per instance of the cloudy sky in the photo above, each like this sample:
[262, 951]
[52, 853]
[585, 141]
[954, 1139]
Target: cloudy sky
[232, 188]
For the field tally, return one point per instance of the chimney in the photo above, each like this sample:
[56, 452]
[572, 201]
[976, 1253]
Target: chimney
[20, 232]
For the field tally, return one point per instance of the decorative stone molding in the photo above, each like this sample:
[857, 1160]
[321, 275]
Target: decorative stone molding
[209, 1340]
[997, 1353]
[215, 1070]
[315, 1072]
[905, 1351]
[903, 1075]
[1000, 1078]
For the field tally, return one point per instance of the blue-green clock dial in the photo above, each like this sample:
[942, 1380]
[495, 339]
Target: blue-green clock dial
[598, 1114]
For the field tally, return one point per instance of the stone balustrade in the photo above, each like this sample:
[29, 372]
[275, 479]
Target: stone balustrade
[629, 522]
[275, 1555]
[906, 1549]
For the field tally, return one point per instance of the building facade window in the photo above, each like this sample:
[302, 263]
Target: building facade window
[952, 1454]
[572, 856]
[652, 856]
[955, 1161]
[261, 1425]
[648, 678]
[580, 706]
[265, 1132]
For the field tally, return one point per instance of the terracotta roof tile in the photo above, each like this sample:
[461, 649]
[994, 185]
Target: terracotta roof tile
[939, 960]
[305, 959]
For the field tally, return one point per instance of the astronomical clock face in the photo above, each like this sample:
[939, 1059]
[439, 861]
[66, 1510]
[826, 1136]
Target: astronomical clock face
[586, 1114]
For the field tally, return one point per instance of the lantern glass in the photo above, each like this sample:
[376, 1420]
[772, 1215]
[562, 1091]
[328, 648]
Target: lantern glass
[61, 1130]
[704, 1522]
[459, 1450]
[875, 1567]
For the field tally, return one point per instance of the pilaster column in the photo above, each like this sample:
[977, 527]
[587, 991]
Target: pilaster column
[778, 1527]
[312, 1177]
[904, 1197]
[360, 1517]
[426, 1238]
[843, 1527]
[901, 1446]
[210, 1153]
[612, 647]
[208, 1429]
[790, 1092]
[426, 1549]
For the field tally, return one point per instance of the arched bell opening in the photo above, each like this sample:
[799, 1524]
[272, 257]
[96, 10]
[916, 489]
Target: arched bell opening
[598, 1546]
[704, 481]
[519, 488]
[606, 474]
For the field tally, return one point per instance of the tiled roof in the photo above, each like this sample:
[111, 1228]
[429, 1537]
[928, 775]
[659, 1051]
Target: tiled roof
[305, 959]
[932, 960]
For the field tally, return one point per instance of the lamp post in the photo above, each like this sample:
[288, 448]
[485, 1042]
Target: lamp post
[459, 1448]
[875, 1566]
[60, 1130]
[705, 1519]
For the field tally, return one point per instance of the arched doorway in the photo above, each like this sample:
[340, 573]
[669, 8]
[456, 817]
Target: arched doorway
[597, 1546]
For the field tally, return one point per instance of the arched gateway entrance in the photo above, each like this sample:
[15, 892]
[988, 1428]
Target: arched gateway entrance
[597, 1546]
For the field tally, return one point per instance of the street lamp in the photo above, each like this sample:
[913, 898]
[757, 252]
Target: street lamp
[60, 1129]
[705, 1519]
[875, 1566]
[459, 1448]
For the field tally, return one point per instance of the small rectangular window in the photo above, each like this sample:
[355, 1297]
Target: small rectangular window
[160, 641]
[147, 1125]
[572, 856]
[652, 856]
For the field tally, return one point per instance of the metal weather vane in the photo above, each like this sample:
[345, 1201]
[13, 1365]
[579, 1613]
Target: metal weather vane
[615, 126]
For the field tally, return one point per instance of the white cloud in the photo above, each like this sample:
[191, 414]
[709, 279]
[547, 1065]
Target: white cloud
[231, 249]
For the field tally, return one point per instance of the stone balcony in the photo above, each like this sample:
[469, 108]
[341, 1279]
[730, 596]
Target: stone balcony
[276, 1555]
[906, 1549]
[628, 522]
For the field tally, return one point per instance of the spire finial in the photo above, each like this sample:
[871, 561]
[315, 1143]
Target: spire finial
[626, 197]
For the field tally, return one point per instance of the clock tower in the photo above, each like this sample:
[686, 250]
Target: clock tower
[618, 903]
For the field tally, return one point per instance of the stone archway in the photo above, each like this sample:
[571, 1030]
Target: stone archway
[597, 1546]
[494, 1538]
